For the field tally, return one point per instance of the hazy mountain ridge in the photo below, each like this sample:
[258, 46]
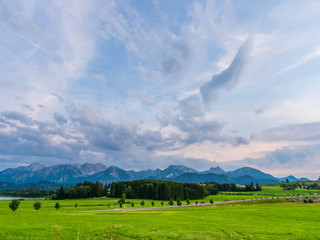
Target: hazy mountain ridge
[293, 178]
[72, 173]
[62, 173]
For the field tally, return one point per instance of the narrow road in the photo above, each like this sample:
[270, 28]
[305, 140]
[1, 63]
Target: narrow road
[188, 206]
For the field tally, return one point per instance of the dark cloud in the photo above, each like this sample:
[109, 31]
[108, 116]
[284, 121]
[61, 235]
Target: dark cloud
[287, 157]
[8, 116]
[259, 111]
[103, 134]
[227, 79]
[145, 100]
[59, 97]
[28, 107]
[122, 143]
[60, 118]
[190, 120]
[175, 58]
[34, 138]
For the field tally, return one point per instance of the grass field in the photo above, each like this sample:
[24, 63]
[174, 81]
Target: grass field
[274, 189]
[268, 219]
[279, 220]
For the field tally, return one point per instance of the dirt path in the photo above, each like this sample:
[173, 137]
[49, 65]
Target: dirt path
[185, 206]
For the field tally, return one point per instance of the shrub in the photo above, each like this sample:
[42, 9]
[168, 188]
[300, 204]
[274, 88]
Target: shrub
[305, 200]
[132, 204]
[142, 203]
[211, 201]
[37, 205]
[171, 202]
[76, 205]
[188, 201]
[57, 205]
[196, 202]
[310, 200]
[152, 203]
[14, 204]
[179, 203]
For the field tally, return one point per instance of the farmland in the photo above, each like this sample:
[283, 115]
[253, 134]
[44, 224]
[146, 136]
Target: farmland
[276, 219]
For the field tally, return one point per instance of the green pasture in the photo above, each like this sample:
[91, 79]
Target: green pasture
[266, 219]
[273, 219]
[275, 189]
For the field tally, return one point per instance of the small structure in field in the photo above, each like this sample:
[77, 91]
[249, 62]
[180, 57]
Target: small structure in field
[289, 188]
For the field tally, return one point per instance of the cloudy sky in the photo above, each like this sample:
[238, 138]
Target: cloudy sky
[145, 84]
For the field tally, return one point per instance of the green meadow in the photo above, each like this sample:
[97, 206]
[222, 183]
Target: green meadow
[266, 219]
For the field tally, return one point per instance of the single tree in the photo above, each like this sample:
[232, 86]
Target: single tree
[188, 201]
[179, 203]
[211, 201]
[76, 205]
[142, 203]
[171, 202]
[37, 205]
[57, 205]
[132, 204]
[123, 198]
[196, 202]
[162, 203]
[14, 204]
[120, 204]
[152, 203]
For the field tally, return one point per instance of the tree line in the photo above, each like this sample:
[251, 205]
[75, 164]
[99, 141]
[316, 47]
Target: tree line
[82, 190]
[310, 186]
[231, 187]
[143, 189]
[158, 190]
[29, 193]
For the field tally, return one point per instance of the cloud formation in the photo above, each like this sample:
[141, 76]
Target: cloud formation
[133, 83]
[226, 80]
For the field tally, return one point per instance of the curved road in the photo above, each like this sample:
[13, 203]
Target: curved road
[191, 205]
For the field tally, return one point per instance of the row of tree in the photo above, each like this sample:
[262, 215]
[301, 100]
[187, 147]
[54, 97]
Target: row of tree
[14, 205]
[311, 186]
[158, 190]
[231, 187]
[30, 193]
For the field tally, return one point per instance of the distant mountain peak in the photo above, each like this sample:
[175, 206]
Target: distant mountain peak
[180, 167]
[216, 170]
[32, 167]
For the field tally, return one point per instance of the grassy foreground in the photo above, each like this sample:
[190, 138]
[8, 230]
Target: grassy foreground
[279, 220]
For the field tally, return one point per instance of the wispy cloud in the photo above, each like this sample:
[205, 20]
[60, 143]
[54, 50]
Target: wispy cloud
[227, 79]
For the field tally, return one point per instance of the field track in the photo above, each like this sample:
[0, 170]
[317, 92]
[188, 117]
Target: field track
[189, 206]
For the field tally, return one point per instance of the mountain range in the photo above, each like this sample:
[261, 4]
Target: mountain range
[72, 173]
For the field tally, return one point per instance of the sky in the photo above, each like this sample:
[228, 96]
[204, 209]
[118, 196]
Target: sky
[148, 83]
